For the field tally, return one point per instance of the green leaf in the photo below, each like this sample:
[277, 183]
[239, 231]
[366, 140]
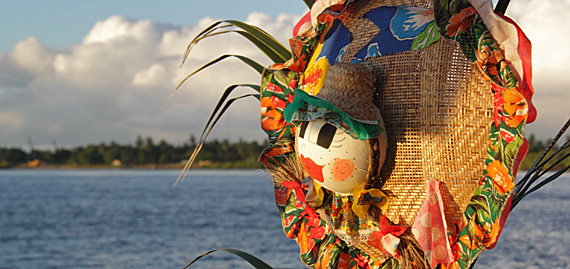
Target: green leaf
[511, 151]
[263, 37]
[480, 204]
[212, 122]
[426, 37]
[266, 49]
[253, 64]
[264, 41]
[256, 262]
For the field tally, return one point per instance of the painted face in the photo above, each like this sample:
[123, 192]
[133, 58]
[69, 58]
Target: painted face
[331, 157]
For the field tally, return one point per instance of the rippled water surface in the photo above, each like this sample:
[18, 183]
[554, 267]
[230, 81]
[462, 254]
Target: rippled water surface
[137, 219]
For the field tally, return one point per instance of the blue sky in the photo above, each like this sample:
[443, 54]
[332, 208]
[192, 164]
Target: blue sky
[64, 22]
[84, 72]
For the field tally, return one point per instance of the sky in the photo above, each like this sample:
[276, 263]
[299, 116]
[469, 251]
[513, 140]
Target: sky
[74, 73]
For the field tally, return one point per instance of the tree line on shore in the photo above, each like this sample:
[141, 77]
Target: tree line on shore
[145, 152]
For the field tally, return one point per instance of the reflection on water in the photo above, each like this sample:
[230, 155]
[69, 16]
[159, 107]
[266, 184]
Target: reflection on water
[136, 218]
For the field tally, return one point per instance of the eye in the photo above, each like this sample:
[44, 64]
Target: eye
[326, 135]
[303, 129]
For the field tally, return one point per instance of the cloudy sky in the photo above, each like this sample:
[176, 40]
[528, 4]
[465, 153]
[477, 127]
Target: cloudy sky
[84, 72]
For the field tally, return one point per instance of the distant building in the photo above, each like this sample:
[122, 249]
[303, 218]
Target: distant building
[116, 163]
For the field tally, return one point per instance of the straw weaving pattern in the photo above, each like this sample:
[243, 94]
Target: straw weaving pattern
[437, 112]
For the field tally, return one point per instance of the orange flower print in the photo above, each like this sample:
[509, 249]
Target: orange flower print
[278, 102]
[306, 243]
[487, 233]
[461, 21]
[467, 242]
[308, 232]
[453, 265]
[488, 59]
[516, 106]
[501, 179]
[326, 258]
[293, 83]
[271, 119]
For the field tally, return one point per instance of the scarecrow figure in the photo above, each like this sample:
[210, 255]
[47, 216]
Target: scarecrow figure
[395, 131]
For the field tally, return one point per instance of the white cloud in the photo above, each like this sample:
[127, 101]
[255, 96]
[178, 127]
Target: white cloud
[154, 75]
[31, 56]
[111, 86]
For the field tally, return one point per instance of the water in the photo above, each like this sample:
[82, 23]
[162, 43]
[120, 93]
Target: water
[136, 219]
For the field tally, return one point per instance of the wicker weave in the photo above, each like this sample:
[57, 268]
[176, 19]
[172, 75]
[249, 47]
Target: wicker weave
[437, 111]
[350, 87]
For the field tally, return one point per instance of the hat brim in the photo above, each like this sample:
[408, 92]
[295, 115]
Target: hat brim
[306, 107]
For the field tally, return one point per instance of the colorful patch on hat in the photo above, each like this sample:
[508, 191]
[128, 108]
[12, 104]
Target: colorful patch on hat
[335, 42]
[400, 29]
[409, 22]
[329, 50]
[314, 76]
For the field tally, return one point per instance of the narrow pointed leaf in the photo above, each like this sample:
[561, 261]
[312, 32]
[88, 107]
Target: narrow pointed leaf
[256, 262]
[206, 132]
[256, 33]
[253, 64]
[263, 36]
[263, 47]
[194, 41]
[536, 170]
[203, 135]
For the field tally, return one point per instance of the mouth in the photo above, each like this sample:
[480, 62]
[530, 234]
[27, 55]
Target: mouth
[314, 170]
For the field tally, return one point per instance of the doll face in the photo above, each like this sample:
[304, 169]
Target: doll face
[335, 160]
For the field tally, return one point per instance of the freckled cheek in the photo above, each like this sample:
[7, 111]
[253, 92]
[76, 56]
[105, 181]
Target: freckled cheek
[341, 169]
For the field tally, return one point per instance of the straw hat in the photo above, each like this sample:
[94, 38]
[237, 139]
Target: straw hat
[350, 87]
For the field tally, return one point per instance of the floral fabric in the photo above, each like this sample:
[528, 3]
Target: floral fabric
[456, 20]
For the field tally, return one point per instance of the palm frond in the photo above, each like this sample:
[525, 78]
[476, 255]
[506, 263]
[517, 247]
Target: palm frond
[253, 64]
[543, 164]
[214, 118]
[274, 55]
[256, 262]
[261, 39]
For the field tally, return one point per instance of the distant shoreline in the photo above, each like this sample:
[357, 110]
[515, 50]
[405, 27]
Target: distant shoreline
[111, 167]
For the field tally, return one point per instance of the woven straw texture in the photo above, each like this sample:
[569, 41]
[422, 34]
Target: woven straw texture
[437, 111]
[350, 87]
